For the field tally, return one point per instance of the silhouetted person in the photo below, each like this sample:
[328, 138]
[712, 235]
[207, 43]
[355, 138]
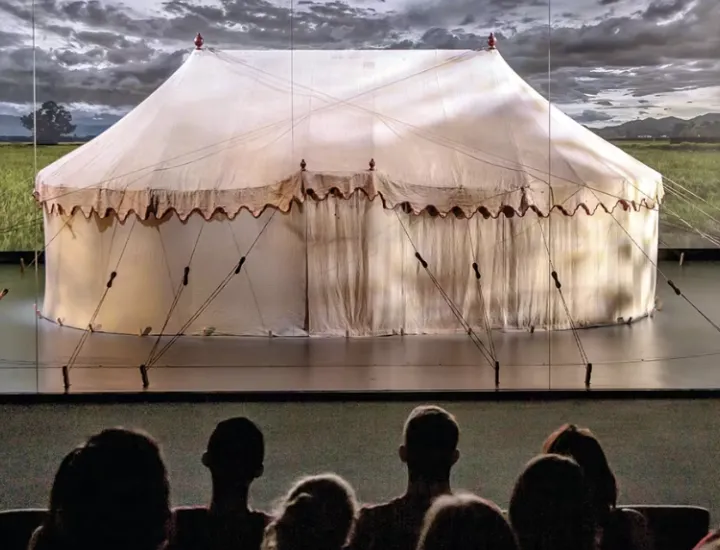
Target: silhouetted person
[549, 507]
[617, 529]
[430, 451]
[49, 535]
[112, 493]
[317, 514]
[465, 522]
[235, 455]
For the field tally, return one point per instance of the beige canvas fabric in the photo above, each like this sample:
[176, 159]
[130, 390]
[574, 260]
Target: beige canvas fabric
[467, 162]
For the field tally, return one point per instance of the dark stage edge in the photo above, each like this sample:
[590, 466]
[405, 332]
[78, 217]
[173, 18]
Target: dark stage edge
[360, 396]
[673, 354]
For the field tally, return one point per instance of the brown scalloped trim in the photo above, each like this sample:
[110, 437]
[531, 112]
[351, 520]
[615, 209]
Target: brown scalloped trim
[317, 186]
[460, 213]
[231, 214]
[507, 210]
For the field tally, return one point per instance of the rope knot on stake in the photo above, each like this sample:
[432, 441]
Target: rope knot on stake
[588, 375]
[144, 377]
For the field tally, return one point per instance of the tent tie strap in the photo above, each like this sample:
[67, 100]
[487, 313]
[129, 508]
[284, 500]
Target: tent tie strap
[111, 279]
[674, 287]
[239, 265]
[421, 260]
[186, 275]
[556, 279]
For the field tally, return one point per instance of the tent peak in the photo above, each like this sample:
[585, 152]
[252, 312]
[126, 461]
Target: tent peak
[199, 41]
[492, 41]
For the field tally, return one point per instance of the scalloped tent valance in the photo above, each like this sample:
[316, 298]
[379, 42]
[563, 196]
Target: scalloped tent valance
[450, 133]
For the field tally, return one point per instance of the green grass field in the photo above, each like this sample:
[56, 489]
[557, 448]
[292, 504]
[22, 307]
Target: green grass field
[20, 218]
[695, 167]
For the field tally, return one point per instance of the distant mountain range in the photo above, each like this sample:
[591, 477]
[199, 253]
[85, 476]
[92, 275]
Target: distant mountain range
[703, 126]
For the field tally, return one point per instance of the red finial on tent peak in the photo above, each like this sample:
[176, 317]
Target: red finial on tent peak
[492, 41]
[199, 41]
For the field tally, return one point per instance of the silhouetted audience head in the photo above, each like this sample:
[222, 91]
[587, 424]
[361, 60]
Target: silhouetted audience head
[583, 447]
[235, 451]
[317, 514]
[61, 489]
[549, 508]
[50, 534]
[430, 443]
[465, 522]
[117, 494]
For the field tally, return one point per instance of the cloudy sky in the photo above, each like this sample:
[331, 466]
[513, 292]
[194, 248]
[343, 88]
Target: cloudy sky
[611, 60]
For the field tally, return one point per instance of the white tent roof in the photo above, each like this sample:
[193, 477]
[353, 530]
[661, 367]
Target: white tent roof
[449, 131]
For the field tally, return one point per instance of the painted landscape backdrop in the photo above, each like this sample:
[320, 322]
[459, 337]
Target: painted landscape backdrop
[643, 74]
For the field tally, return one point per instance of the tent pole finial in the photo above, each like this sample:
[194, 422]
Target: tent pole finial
[303, 165]
[492, 41]
[199, 41]
[372, 165]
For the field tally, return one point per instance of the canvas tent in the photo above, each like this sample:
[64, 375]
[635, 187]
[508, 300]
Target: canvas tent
[329, 171]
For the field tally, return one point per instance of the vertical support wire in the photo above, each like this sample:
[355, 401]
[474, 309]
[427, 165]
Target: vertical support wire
[550, 195]
[35, 171]
[292, 74]
[304, 208]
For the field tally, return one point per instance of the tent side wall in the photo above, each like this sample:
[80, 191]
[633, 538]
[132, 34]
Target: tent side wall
[267, 295]
[349, 267]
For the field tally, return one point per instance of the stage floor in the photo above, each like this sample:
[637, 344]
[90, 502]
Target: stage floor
[675, 349]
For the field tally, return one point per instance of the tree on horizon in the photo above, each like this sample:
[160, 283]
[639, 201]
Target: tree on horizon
[53, 122]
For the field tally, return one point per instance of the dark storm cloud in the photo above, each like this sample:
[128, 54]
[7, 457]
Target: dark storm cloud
[10, 39]
[71, 58]
[493, 13]
[589, 116]
[106, 39]
[634, 46]
[443, 39]
[115, 86]
[139, 51]
[60, 30]
[665, 9]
